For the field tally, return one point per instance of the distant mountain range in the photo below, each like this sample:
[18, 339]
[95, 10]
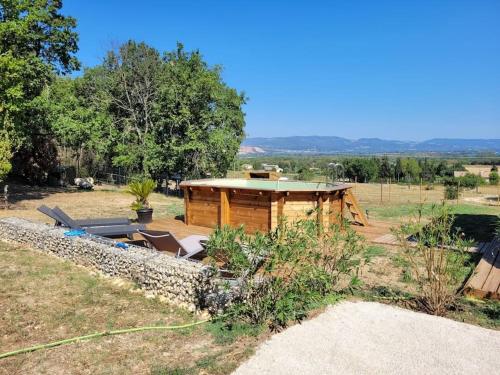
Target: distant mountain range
[338, 145]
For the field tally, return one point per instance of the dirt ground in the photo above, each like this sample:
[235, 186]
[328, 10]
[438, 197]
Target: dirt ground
[104, 201]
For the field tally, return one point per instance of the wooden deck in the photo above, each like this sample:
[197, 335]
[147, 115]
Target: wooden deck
[485, 281]
[181, 230]
[178, 228]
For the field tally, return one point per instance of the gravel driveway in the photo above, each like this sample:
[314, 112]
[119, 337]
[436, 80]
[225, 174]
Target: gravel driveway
[372, 338]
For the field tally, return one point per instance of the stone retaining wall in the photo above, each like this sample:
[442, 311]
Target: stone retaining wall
[181, 282]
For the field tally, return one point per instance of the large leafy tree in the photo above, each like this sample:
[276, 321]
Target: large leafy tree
[201, 120]
[36, 43]
[79, 120]
[169, 114]
[132, 73]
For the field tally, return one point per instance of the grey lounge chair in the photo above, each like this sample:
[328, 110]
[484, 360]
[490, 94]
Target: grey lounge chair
[105, 231]
[97, 222]
[187, 248]
[116, 231]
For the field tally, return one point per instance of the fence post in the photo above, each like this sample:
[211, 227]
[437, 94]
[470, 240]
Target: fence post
[389, 189]
[420, 190]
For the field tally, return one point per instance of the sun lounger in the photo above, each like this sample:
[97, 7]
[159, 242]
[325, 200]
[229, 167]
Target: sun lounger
[97, 222]
[64, 219]
[187, 248]
[126, 230]
[116, 231]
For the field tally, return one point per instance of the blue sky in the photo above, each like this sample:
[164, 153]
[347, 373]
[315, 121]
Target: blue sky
[408, 70]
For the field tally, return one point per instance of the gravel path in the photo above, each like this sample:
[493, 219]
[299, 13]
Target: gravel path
[372, 338]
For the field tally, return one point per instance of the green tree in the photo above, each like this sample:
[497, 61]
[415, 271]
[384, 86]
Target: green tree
[385, 168]
[493, 178]
[36, 43]
[471, 181]
[5, 155]
[201, 122]
[398, 169]
[305, 174]
[78, 124]
[412, 169]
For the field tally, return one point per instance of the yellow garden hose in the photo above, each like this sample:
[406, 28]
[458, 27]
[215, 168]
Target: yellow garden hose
[96, 335]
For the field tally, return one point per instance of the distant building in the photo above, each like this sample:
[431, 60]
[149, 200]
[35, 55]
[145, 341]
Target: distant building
[272, 167]
[479, 170]
[247, 167]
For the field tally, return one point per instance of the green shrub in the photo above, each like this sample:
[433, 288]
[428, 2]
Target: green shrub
[471, 181]
[436, 258]
[451, 192]
[5, 156]
[287, 272]
[493, 177]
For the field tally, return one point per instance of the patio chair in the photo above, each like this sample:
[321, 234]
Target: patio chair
[110, 231]
[187, 248]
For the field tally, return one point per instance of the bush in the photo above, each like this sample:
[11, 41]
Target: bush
[451, 192]
[493, 177]
[305, 174]
[436, 258]
[285, 273]
[470, 181]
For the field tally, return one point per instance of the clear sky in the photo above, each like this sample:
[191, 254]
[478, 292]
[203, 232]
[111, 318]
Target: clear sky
[408, 70]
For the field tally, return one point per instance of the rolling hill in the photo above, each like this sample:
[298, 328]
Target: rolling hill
[339, 145]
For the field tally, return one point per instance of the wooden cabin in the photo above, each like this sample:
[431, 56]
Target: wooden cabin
[258, 204]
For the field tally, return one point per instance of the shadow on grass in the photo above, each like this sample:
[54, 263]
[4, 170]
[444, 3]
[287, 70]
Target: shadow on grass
[480, 228]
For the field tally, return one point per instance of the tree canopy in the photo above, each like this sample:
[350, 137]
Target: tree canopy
[36, 43]
[153, 114]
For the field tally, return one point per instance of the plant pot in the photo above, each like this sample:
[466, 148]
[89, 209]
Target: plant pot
[144, 215]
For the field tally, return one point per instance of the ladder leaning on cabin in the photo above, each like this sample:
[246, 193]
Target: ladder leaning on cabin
[353, 207]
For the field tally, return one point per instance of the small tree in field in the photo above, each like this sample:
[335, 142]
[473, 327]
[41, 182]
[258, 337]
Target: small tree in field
[493, 177]
[436, 257]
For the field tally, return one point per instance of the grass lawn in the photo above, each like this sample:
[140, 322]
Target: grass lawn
[44, 299]
[477, 222]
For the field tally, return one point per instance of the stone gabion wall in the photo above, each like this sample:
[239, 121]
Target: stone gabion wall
[181, 282]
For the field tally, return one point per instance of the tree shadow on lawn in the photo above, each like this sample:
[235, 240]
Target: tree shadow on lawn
[480, 228]
[20, 192]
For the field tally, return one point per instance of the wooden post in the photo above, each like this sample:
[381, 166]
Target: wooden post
[342, 203]
[320, 212]
[389, 189]
[224, 208]
[186, 206]
[281, 206]
[420, 190]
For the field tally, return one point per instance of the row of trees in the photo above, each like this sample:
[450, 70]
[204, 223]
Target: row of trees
[369, 169]
[149, 114]
[141, 110]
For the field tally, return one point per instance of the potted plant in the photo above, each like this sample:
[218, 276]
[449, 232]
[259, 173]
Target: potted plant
[141, 190]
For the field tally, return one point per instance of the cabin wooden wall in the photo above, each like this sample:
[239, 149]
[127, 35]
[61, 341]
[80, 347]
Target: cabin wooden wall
[258, 210]
[325, 207]
[201, 207]
[252, 208]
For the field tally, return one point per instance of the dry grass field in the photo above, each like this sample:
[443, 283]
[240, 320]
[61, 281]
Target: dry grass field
[44, 299]
[104, 201]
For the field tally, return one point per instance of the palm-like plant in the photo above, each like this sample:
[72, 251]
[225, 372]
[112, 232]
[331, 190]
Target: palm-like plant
[141, 190]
